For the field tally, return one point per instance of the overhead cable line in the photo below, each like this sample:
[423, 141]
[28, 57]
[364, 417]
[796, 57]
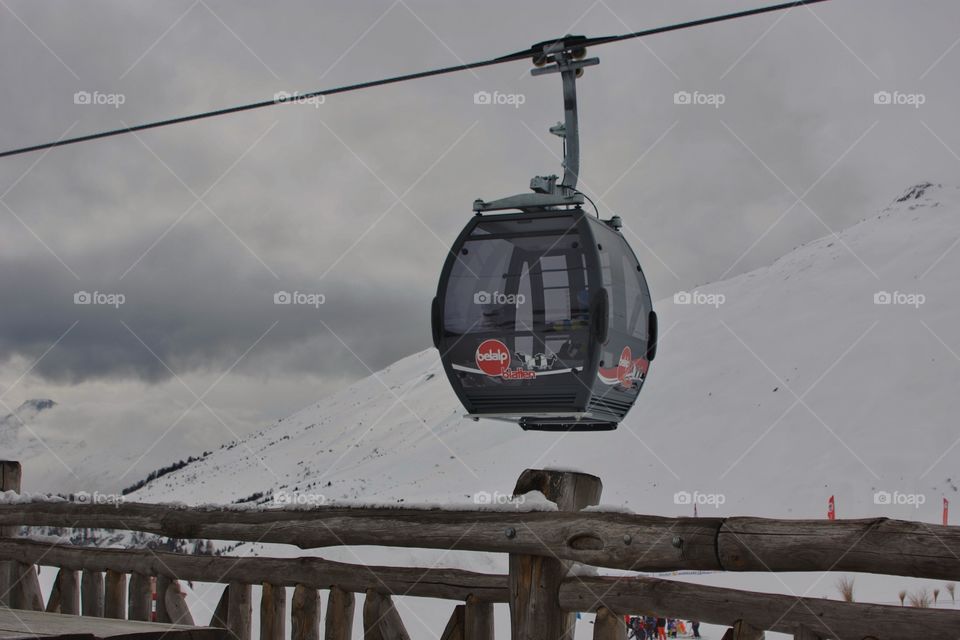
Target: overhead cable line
[532, 52]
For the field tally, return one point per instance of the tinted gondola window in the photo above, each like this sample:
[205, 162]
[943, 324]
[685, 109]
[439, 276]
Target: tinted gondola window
[522, 284]
[626, 288]
[511, 277]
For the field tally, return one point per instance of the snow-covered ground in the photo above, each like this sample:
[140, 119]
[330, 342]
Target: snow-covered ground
[797, 387]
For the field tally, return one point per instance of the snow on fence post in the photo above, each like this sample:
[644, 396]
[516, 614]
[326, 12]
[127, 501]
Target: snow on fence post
[609, 626]
[141, 597]
[10, 475]
[339, 623]
[9, 481]
[535, 612]
[273, 612]
[115, 595]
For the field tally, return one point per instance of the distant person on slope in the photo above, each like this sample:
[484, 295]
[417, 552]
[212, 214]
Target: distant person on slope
[651, 627]
[661, 629]
[695, 625]
[636, 629]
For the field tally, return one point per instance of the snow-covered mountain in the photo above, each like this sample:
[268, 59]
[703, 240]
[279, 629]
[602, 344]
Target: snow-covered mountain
[11, 423]
[16, 441]
[786, 385]
[833, 371]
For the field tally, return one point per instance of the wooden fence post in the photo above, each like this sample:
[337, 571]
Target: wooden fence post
[239, 611]
[609, 626]
[10, 473]
[305, 614]
[454, 629]
[163, 583]
[53, 602]
[69, 592]
[141, 598]
[115, 595]
[221, 613]
[176, 602]
[381, 620]
[27, 593]
[805, 633]
[743, 631]
[478, 620]
[19, 585]
[91, 588]
[273, 612]
[535, 612]
[339, 622]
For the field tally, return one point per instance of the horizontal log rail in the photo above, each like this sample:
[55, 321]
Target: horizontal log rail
[613, 540]
[603, 539]
[318, 573]
[773, 612]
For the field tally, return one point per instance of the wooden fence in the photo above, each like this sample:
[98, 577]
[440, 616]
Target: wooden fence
[542, 592]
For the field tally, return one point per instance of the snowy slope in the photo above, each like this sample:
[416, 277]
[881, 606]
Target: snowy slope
[720, 412]
[797, 387]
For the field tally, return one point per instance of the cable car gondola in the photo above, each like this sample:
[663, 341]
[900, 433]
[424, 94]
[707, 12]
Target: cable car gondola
[543, 315]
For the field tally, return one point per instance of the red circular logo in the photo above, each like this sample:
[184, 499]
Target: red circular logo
[493, 357]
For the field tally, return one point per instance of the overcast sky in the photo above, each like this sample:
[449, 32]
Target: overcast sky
[198, 226]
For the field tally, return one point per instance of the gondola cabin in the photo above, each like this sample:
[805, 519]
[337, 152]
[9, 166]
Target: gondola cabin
[545, 319]
[542, 315]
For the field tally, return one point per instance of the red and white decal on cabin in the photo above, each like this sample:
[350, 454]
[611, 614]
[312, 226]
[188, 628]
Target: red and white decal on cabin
[628, 371]
[493, 359]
